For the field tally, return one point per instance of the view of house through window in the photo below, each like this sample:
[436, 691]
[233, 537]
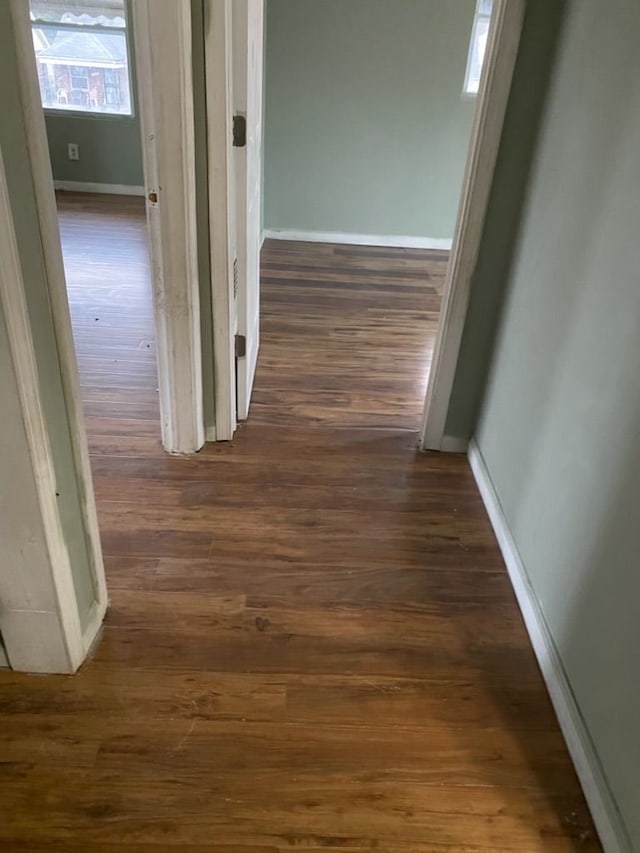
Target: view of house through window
[477, 47]
[82, 55]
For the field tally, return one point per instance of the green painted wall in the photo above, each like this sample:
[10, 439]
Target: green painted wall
[13, 144]
[110, 147]
[366, 128]
[560, 421]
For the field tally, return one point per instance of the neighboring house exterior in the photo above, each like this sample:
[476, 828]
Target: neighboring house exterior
[82, 58]
[85, 71]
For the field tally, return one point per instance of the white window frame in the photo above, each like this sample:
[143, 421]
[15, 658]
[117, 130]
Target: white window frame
[39, 23]
[468, 91]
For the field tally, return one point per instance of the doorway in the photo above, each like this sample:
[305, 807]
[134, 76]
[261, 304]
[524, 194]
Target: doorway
[490, 35]
[106, 258]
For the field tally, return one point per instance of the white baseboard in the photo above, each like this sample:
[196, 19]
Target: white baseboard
[103, 189]
[596, 790]
[385, 240]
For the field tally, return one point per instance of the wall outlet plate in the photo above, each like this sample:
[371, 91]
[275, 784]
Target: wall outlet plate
[73, 151]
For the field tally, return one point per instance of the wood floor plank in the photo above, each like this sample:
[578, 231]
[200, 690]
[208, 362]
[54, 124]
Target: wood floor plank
[312, 642]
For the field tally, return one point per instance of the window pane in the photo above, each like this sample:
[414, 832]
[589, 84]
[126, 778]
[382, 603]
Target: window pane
[484, 7]
[82, 70]
[106, 13]
[476, 55]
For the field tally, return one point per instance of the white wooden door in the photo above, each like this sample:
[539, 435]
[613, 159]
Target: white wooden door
[248, 40]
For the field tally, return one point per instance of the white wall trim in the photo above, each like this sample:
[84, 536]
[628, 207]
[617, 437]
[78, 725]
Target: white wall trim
[101, 189]
[603, 809]
[339, 237]
[162, 35]
[41, 624]
[495, 85]
[36, 133]
[222, 218]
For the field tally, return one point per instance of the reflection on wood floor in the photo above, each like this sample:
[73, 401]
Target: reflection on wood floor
[312, 641]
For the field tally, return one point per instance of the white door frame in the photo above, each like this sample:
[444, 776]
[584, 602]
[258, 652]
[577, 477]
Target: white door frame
[163, 39]
[218, 46]
[41, 625]
[495, 85]
[33, 641]
[248, 60]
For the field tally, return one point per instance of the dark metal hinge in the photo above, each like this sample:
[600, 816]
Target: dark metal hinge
[239, 131]
[241, 346]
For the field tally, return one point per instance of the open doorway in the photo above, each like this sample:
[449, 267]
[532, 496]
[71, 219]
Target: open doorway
[86, 73]
[379, 148]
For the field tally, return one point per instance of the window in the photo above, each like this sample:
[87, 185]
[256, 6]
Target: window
[82, 55]
[478, 46]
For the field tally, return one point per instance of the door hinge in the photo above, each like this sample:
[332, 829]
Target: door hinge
[241, 346]
[239, 131]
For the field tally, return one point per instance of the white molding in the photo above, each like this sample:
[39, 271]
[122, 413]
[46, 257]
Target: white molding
[219, 78]
[100, 189]
[342, 238]
[601, 803]
[495, 85]
[263, 237]
[248, 71]
[162, 36]
[40, 619]
[38, 148]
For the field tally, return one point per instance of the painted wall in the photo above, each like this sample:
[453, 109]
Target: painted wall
[110, 148]
[366, 127]
[560, 421]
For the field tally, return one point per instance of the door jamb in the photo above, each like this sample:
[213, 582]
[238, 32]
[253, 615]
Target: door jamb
[33, 116]
[219, 80]
[162, 32]
[495, 85]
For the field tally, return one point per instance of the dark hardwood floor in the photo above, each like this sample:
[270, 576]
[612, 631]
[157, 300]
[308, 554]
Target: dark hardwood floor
[312, 642]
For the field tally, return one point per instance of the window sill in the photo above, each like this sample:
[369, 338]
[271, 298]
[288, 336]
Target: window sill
[83, 114]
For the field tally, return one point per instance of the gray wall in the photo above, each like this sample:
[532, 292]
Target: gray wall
[110, 147]
[366, 128]
[560, 421]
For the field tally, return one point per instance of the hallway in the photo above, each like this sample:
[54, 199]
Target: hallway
[312, 641]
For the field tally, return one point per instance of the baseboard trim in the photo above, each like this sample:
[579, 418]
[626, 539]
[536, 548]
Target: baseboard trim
[596, 790]
[102, 189]
[384, 240]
